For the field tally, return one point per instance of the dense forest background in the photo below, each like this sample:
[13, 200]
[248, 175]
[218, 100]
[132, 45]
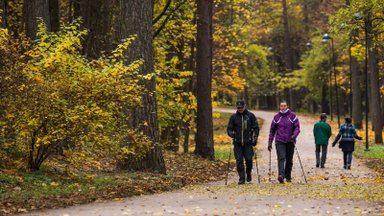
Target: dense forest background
[88, 80]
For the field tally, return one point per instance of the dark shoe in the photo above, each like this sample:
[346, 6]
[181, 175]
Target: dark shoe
[280, 179]
[345, 167]
[249, 178]
[317, 165]
[241, 182]
[349, 167]
[322, 166]
[289, 180]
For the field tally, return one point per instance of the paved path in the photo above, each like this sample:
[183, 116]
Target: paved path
[325, 193]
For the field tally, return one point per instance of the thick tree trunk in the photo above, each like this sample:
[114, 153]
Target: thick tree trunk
[97, 16]
[32, 10]
[3, 12]
[204, 136]
[357, 112]
[137, 20]
[54, 15]
[374, 87]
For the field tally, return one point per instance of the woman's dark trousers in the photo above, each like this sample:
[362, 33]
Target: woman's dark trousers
[285, 153]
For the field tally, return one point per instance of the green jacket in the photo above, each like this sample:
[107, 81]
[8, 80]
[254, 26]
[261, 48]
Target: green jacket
[322, 132]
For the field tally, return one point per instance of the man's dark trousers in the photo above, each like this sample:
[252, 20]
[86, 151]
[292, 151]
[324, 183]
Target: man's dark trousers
[241, 153]
[285, 158]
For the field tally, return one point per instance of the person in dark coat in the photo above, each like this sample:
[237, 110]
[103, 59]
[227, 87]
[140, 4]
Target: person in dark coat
[322, 132]
[284, 129]
[244, 131]
[347, 133]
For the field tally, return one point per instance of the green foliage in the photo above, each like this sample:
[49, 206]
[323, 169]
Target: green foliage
[55, 100]
[315, 66]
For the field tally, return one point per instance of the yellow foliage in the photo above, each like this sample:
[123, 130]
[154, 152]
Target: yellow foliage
[56, 99]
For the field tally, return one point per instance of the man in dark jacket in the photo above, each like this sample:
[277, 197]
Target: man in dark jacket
[322, 132]
[285, 128]
[244, 131]
[348, 135]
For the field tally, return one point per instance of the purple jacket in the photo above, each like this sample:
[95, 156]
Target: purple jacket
[285, 126]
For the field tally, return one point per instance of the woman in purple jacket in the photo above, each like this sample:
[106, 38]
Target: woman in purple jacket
[285, 128]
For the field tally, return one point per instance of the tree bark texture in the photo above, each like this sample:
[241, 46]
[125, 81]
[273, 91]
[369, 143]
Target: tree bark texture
[3, 12]
[204, 137]
[97, 17]
[54, 15]
[357, 113]
[288, 53]
[374, 86]
[137, 20]
[34, 9]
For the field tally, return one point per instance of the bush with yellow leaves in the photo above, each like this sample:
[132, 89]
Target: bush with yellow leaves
[54, 99]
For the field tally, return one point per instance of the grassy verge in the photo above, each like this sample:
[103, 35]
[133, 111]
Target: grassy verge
[374, 158]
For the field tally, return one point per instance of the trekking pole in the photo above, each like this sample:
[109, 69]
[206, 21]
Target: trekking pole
[301, 165]
[270, 166]
[257, 168]
[228, 167]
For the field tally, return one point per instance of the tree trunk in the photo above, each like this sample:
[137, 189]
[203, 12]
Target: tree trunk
[32, 10]
[97, 16]
[54, 14]
[3, 11]
[374, 86]
[204, 136]
[357, 112]
[324, 101]
[288, 57]
[137, 19]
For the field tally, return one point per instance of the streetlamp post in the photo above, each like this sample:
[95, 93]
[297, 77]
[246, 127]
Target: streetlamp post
[358, 16]
[327, 37]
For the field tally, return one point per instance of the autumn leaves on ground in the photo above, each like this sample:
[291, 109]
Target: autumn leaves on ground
[52, 188]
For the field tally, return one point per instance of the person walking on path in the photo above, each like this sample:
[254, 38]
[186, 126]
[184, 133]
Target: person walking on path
[284, 129]
[244, 130]
[347, 133]
[322, 132]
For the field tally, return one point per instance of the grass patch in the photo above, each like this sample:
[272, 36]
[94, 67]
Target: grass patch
[375, 151]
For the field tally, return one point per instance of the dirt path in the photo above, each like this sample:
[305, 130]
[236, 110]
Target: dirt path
[330, 191]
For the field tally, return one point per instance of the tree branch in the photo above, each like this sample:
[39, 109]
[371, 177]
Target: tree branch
[157, 32]
[154, 21]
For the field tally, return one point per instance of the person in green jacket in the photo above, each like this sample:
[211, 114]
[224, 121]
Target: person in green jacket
[322, 132]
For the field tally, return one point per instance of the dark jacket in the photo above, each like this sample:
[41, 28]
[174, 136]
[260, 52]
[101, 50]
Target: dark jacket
[243, 128]
[347, 133]
[285, 126]
[322, 131]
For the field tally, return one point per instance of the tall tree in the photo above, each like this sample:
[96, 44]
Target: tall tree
[33, 9]
[374, 81]
[288, 54]
[3, 12]
[204, 135]
[136, 20]
[356, 93]
[54, 15]
[97, 18]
